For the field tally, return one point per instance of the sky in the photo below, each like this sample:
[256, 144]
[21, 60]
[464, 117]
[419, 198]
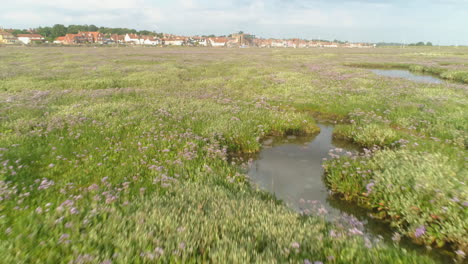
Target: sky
[442, 22]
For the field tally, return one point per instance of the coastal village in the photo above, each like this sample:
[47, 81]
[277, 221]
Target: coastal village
[237, 40]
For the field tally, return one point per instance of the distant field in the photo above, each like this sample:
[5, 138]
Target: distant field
[120, 155]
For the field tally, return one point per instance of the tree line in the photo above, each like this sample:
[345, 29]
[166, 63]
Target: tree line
[58, 30]
[420, 43]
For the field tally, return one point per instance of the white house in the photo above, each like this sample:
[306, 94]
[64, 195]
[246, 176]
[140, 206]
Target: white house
[330, 45]
[132, 38]
[278, 44]
[315, 44]
[199, 41]
[203, 42]
[148, 40]
[174, 41]
[218, 42]
[28, 38]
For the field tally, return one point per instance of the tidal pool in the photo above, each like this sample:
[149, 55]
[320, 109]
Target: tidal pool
[291, 168]
[408, 75]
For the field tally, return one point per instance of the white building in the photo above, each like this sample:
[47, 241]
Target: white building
[218, 42]
[132, 38]
[278, 44]
[150, 41]
[199, 41]
[330, 45]
[28, 38]
[174, 41]
[203, 42]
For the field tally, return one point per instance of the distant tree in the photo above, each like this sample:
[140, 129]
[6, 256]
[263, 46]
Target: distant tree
[74, 29]
[19, 31]
[92, 28]
[51, 33]
[381, 44]
[145, 32]
[428, 44]
[45, 32]
[58, 30]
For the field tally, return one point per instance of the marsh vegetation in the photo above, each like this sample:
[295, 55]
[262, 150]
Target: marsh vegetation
[119, 155]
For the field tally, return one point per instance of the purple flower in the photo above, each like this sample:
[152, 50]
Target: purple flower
[367, 243]
[68, 203]
[93, 187]
[295, 245]
[355, 231]
[45, 184]
[396, 237]
[460, 253]
[369, 187]
[322, 211]
[64, 238]
[159, 251]
[420, 231]
[182, 246]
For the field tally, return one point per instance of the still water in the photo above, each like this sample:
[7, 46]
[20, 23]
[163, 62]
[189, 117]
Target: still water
[291, 168]
[408, 75]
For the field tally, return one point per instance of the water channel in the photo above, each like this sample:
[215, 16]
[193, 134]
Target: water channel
[405, 74]
[291, 168]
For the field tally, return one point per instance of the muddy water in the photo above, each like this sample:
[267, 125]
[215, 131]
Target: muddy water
[408, 75]
[291, 168]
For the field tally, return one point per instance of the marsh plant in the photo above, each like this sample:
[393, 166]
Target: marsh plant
[121, 155]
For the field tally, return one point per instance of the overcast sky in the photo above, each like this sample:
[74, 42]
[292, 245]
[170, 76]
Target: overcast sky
[438, 21]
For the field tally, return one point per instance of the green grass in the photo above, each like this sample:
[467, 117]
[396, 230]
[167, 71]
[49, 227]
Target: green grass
[121, 154]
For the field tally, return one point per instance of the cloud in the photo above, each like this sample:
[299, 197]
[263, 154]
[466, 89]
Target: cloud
[310, 17]
[82, 4]
[371, 19]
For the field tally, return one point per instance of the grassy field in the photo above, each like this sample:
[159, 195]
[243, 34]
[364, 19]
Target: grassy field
[120, 155]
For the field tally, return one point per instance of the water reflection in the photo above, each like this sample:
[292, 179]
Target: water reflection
[291, 168]
[408, 75]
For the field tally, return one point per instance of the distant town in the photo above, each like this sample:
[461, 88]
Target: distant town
[133, 37]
